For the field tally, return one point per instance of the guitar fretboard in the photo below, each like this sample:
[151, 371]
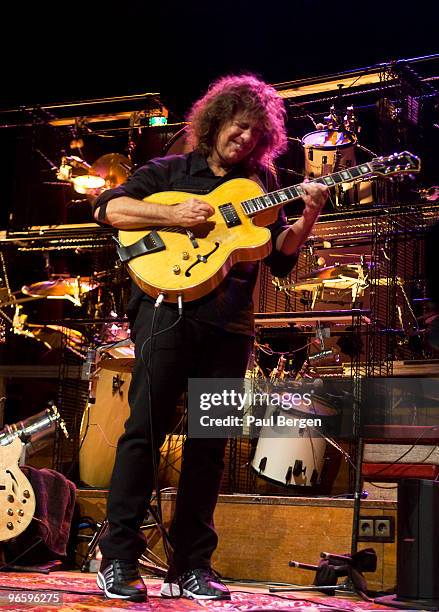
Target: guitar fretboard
[289, 194]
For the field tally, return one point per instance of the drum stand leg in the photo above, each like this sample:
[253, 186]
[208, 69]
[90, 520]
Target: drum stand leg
[148, 560]
[91, 548]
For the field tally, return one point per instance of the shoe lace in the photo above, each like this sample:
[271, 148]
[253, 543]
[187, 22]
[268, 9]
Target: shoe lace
[128, 570]
[206, 574]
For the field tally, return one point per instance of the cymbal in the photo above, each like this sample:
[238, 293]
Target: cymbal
[338, 277]
[113, 168]
[58, 336]
[60, 287]
[333, 272]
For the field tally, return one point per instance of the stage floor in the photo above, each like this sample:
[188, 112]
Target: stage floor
[78, 591]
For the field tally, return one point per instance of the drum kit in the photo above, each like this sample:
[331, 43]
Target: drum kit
[107, 172]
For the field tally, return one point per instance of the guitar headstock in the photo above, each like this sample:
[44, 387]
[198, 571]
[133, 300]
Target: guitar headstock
[398, 163]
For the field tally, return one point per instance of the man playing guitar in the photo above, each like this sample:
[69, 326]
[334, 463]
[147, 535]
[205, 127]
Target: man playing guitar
[237, 129]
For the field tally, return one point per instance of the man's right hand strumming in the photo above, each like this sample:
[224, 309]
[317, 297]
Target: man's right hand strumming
[128, 213]
[191, 212]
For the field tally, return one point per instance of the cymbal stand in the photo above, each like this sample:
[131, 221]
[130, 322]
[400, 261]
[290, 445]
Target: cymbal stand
[333, 566]
[154, 564]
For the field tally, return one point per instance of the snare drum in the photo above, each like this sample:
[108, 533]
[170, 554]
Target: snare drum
[291, 456]
[327, 151]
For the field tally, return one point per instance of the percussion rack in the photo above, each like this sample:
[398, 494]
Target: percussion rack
[352, 81]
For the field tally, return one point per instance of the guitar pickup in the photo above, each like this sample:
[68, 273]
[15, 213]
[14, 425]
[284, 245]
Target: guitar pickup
[151, 243]
[230, 215]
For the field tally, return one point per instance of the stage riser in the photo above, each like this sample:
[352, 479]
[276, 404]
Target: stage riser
[258, 536]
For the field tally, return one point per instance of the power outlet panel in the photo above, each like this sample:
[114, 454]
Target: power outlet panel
[376, 529]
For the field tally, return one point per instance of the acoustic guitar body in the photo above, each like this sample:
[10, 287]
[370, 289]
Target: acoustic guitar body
[17, 498]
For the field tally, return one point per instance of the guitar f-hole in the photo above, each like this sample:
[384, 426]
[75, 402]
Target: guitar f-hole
[202, 259]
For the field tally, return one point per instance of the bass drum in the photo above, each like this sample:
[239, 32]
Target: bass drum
[327, 151]
[291, 456]
[178, 144]
[103, 424]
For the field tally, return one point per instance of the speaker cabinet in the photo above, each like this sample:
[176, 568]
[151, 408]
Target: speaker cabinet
[418, 539]
[417, 572]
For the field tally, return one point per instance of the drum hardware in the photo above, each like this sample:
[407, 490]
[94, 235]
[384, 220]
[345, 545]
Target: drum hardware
[112, 333]
[279, 372]
[296, 460]
[331, 567]
[117, 384]
[353, 277]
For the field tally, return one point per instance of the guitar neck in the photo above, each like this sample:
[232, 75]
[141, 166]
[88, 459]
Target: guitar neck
[289, 194]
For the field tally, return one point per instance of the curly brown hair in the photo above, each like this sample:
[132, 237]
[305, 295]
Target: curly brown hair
[246, 94]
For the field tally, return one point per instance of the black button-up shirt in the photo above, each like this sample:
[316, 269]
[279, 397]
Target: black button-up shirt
[230, 305]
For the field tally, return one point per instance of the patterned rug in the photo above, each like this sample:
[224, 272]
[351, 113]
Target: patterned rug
[65, 591]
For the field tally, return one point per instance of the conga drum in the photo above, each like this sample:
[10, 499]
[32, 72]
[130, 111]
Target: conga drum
[104, 418]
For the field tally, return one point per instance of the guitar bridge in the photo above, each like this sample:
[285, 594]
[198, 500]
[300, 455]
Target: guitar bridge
[151, 243]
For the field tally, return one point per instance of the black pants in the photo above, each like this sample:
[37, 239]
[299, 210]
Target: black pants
[190, 349]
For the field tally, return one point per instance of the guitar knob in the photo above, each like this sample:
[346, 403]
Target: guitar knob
[185, 255]
[21, 512]
[10, 498]
[10, 526]
[26, 494]
[10, 512]
[176, 269]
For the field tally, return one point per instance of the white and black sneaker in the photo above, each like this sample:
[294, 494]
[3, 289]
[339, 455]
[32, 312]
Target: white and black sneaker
[202, 583]
[120, 579]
